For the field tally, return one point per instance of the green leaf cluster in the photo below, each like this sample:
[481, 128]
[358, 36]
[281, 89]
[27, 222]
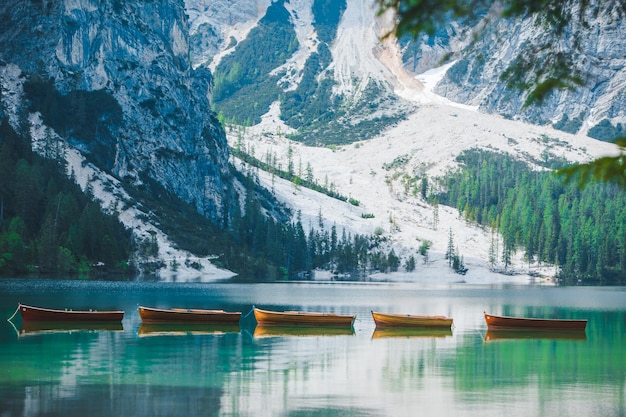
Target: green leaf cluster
[609, 169]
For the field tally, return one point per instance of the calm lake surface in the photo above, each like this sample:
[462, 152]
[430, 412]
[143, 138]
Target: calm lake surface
[139, 370]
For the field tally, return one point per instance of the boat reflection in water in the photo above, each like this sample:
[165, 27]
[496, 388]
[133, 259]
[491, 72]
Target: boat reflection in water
[29, 328]
[406, 332]
[493, 335]
[185, 329]
[301, 331]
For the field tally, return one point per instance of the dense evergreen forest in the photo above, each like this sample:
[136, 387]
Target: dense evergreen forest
[581, 230]
[47, 224]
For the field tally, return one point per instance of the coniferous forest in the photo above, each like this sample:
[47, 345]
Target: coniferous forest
[47, 223]
[580, 230]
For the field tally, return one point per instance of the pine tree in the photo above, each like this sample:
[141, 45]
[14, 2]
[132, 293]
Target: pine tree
[493, 250]
[435, 214]
[450, 250]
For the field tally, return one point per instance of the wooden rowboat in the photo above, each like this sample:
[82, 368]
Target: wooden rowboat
[184, 315]
[521, 323]
[301, 318]
[410, 320]
[30, 313]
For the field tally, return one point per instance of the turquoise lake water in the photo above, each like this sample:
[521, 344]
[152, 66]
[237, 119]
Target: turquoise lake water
[138, 370]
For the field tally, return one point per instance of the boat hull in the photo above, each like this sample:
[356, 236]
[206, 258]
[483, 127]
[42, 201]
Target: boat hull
[299, 318]
[520, 323]
[180, 315]
[30, 313]
[409, 320]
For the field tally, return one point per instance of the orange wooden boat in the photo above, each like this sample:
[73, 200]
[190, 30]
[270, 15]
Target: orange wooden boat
[301, 318]
[184, 315]
[521, 323]
[410, 320]
[30, 313]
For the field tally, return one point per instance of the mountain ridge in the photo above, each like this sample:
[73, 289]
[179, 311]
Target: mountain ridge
[478, 52]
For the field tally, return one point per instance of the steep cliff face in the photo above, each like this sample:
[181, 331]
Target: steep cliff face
[115, 79]
[591, 44]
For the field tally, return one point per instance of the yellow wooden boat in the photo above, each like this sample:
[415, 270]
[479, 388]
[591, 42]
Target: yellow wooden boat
[301, 318]
[410, 320]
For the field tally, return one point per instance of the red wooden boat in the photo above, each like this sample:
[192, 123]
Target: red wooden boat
[301, 318]
[30, 313]
[410, 320]
[521, 323]
[184, 315]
